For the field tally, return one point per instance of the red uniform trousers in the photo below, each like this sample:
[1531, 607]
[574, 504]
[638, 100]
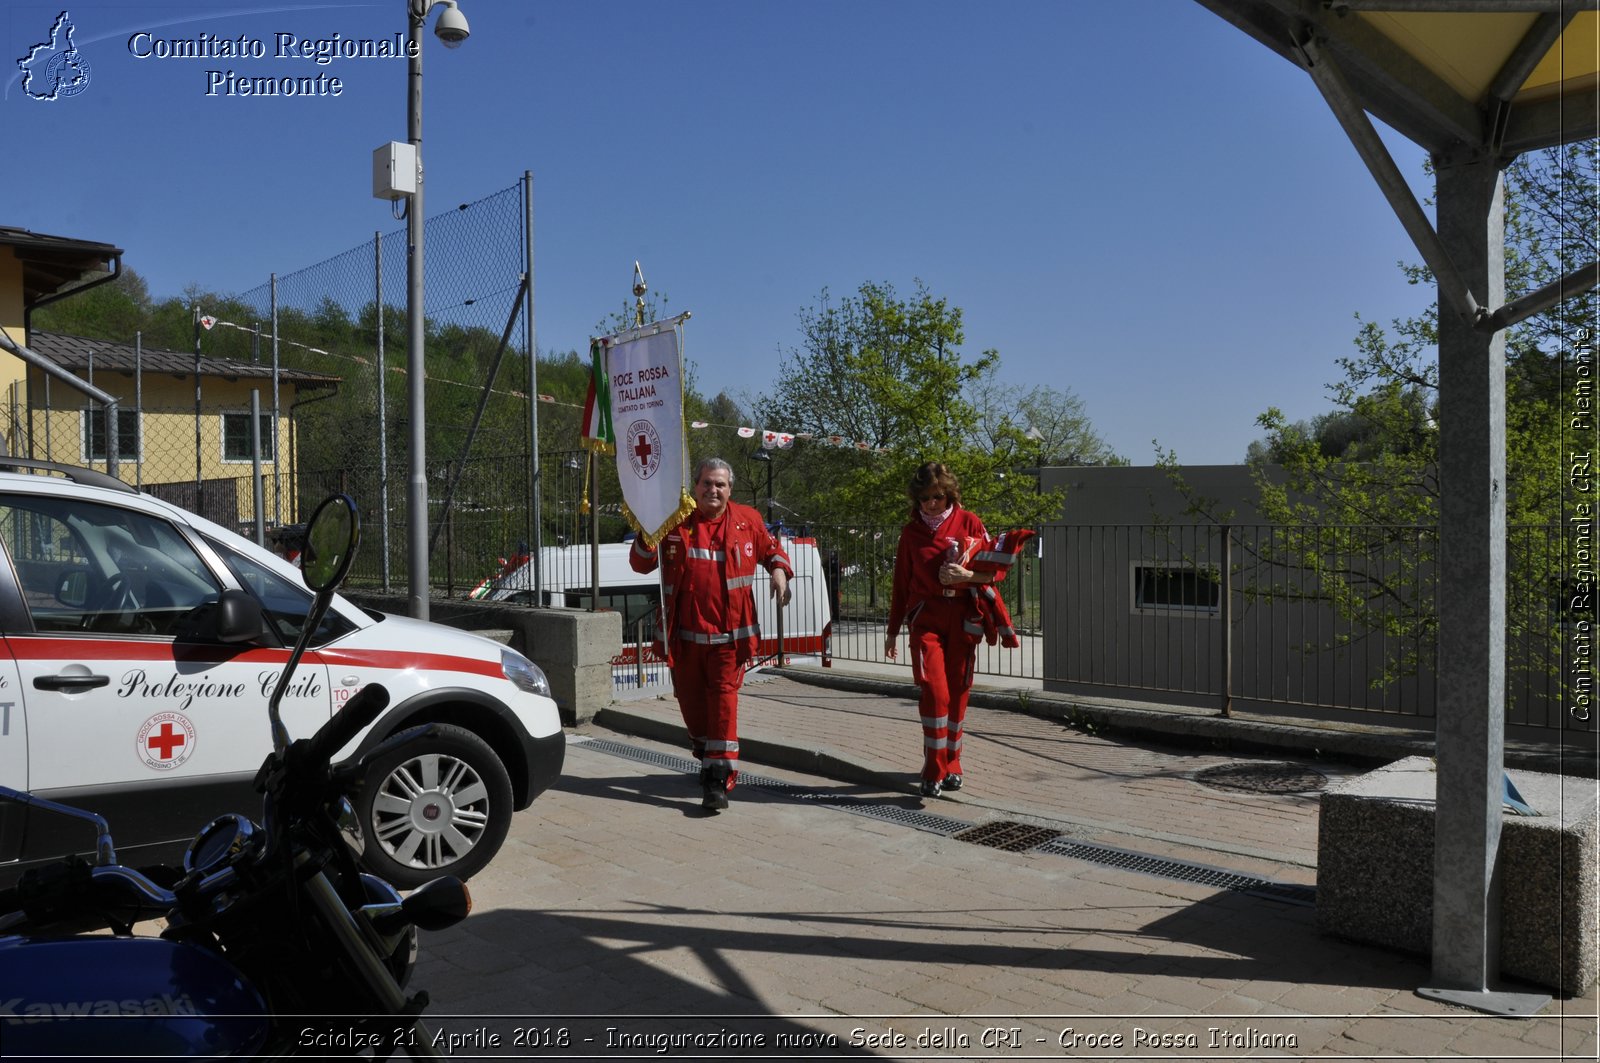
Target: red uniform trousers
[706, 680]
[942, 660]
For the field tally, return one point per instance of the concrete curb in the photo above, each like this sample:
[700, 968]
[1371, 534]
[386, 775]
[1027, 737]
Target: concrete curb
[1173, 725]
[773, 753]
[1206, 728]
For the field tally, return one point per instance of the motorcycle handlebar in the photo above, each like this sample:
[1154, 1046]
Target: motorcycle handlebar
[358, 712]
[76, 894]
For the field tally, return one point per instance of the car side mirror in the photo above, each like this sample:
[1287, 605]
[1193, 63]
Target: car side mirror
[234, 617]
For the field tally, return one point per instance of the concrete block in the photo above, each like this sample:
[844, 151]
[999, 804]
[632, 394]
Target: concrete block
[1375, 870]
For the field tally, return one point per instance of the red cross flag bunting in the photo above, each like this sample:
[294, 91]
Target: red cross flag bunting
[646, 381]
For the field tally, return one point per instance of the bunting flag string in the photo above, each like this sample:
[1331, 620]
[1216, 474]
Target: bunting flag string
[770, 438]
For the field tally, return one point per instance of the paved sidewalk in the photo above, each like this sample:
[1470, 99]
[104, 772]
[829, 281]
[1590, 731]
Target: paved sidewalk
[1063, 773]
[1243, 795]
[620, 916]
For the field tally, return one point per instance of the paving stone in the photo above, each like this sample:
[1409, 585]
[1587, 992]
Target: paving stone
[615, 894]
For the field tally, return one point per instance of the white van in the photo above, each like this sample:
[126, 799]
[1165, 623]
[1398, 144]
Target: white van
[566, 579]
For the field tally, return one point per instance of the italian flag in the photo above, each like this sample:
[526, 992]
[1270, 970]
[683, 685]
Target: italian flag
[597, 433]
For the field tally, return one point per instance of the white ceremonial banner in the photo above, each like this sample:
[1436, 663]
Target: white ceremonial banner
[646, 377]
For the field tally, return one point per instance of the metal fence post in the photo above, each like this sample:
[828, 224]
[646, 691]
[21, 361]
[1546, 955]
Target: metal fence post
[1225, 600]
[383, 418]
[258, 496]
[536, 538]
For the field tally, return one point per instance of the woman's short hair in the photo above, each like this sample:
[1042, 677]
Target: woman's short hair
[930, 477]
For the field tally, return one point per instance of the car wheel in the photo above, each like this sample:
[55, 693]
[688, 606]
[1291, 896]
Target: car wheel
[437, 805]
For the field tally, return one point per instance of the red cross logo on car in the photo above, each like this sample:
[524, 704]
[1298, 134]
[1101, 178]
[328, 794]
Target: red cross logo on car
[166, 740]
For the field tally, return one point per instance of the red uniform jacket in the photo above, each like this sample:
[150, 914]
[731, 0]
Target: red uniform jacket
[746, 543]
[917, 559]
[961, 538]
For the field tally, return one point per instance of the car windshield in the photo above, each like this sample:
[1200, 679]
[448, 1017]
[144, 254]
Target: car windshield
[285, 602]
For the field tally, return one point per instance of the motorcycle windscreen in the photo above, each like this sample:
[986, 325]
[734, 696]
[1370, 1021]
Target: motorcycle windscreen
[124, 998]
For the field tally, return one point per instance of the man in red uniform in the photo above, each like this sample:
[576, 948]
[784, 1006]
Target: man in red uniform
[708, 629]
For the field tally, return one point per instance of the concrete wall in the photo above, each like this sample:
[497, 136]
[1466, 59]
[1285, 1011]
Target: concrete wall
[574, 647]
[1288, 645]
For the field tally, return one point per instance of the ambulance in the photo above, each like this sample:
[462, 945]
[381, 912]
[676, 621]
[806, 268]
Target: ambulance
[566, 580]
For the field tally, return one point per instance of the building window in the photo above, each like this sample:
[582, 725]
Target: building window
[94, 434]
[1176, 589]
[236, 437]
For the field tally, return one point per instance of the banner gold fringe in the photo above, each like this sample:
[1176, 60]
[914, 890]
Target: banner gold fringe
[677, 517]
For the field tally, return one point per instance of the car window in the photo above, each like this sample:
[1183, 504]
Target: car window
[85, 566]
[286, 602]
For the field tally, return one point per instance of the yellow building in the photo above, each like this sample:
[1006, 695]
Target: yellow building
[169, 437]
[183, 426]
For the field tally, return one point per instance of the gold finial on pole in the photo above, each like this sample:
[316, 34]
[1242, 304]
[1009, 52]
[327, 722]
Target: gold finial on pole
[639, 288]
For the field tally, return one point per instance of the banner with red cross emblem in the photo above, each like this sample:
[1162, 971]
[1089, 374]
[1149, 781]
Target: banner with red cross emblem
[646, 378]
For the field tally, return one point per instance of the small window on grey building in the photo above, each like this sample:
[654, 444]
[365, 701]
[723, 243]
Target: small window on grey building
[236, 437]
[1176, 588]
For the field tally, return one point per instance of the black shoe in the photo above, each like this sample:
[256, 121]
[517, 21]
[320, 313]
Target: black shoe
[952, 782]
[714, 785]
[930, 787]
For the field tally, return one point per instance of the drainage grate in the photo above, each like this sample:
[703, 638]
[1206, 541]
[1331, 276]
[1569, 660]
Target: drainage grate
[1263, 777]
[1004, 834]
[1181, 870]
[647, 756]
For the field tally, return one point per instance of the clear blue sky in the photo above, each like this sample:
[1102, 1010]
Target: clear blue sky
[1131, 200]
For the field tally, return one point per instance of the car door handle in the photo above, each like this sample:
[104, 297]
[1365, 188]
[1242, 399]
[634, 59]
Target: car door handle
[70, 682]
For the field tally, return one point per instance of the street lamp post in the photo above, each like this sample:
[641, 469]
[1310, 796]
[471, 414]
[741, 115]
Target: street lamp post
[763, 454]
[451, 28]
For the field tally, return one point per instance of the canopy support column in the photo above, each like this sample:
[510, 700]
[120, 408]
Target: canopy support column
[1470, 740]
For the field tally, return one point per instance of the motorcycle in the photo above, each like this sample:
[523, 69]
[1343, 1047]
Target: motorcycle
[274, 942]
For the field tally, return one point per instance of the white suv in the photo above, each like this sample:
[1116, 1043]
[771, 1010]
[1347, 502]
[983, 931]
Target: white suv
[135, 668]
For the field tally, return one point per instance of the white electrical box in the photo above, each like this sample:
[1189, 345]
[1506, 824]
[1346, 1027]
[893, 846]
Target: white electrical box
[394, 170]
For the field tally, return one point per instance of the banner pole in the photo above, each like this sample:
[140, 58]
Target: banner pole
[594, 528]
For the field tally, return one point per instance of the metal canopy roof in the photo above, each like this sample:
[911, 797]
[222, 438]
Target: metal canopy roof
[1496, 76]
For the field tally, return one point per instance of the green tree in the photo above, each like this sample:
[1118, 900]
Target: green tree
[112, 311]
[1053, 421]
[889, 373]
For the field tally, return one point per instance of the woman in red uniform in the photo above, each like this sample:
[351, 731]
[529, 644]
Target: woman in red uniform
[930, 598]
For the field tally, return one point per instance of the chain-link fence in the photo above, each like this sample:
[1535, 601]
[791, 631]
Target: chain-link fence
[301, 385]
[347, 317]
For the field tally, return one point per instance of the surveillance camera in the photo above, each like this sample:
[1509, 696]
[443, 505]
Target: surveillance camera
[451, 28]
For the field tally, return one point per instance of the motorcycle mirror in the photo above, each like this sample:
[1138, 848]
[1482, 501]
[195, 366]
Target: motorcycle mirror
[331, 538]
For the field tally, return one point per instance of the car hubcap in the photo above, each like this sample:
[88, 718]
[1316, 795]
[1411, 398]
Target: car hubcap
[430, 811]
